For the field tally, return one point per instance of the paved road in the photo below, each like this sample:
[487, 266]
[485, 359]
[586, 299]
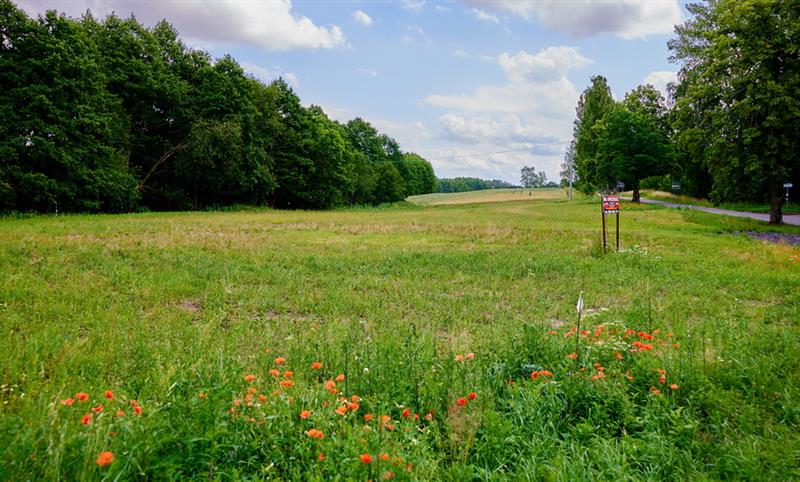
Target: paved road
[793, 219]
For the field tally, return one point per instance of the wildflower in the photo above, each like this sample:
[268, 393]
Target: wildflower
[388, 475]
[341, 410]
[353, 406]
[384, 457]
[674, 386]
[366, 458]
[82, 397]
[249, 378]
[249, 399]
[288, 374]
[252, 390]
[389, 427]
[274, 373]
[321, 457]
[86, 419]
[330, 385]
[97, 409]
[355, 399]
[109, 394]
[470, 356]
[339, 377]
[599, 376]
[461, 402]
[644, 335]
[655, 391]
[316, 365]
[573, 355]
[472, 395]
[367, 417]
[105, 459]
[137, 409]
[120, 413]
[314, 433]
[546, 373]
[280, 360]
[305, 414]
[201, 395]
[237, 403]
[663, 379]
[618, 355]
[286, 383]
[68, 401]
[385, 419]
[459, 358]
[552, 332]
[429, 416]
[262, 398]
[406, 413]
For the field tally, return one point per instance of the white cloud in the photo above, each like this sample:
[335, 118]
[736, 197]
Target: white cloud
[416, 36]
[660, 78]
[362, 18]
[367, 72]
[586, 18]
[268, 75]
[483, 16]
[271, 25]
[413, 5]
[550, 63]
[535, 106]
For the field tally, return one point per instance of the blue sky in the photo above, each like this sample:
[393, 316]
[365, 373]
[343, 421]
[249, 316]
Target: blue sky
[478, 87]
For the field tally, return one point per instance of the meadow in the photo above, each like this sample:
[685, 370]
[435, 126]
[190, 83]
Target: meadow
[413, 342]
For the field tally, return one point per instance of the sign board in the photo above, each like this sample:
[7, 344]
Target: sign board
[620, 185]
[610, 204]
[676, 185]
[788, 185]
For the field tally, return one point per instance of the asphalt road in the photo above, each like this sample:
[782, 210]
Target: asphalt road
[793, 219]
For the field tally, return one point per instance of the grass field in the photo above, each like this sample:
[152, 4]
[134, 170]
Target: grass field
[489, 196]
[412, 343]
[792, 208]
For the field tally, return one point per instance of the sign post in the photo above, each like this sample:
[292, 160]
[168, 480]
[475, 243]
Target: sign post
[610, 205]
[786, 187]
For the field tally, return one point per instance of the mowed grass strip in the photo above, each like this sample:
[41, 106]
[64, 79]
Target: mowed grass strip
[173, 310]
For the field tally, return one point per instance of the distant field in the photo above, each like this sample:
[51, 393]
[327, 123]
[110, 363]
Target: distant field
[488, 196]
[445, 338]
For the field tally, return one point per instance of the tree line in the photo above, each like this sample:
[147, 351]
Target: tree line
[730, 128]
[112, 116]
[464, 184]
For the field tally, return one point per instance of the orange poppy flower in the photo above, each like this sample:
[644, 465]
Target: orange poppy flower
[280, 360]
[82, 397]
[286, 383]
[137, 410]
[314, 433]
[120, 413]
[68, 401]
[201, 395]
[573, 355]
[366, 458]
[599, 376]
[385, 457]
[546, 373]
[305, 414]
[275, 373]
[429, 416]
[367, 417]
[330, 385]
[353, 406]
[355, 399]
[252, 390]
[341, 410]
[249, 378]
[339, 377]
[321, 457]
[109, 394]
[618, 355]
[288, 374]
[674, 386]
[97, 409]
[459, 358]
[406, 413]
[470, 356]
[105, 459]
[262, 398]
[389, 427]
[86, 419]
[248, 398]
[461, 401]
[655, 390]
[385, 419]
[316, 365]
[388, 475]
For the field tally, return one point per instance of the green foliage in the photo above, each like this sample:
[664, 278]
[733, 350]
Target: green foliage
[529, 178]
[112, 116]
[465, 184]
[595, 102]
[737, 102]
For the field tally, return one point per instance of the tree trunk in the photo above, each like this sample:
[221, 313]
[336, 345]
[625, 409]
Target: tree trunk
[776, 203]
[636, 198]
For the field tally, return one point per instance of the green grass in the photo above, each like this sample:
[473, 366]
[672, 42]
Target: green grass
[174, 309]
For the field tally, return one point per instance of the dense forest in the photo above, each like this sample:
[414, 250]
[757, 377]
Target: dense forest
[464, 184]
[730, 129]
[112, 116]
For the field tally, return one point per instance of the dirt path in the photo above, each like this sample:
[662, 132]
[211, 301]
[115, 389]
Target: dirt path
[792, 219]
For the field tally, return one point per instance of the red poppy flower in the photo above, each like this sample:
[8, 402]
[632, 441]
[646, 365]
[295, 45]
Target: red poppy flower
[321, 457]
[461, 402]
[384, 457]
[674, 386]
[137, 409]
[249, 378]
[68, 401]
[82, 397]
[305, 414]
[367, 417]
[314, 433]
[341, 410]
[316, 365]
[288, 374]
[280, 360]
[109, 394]
[573, 355]
[472, 395]
[366, 458]
[339, 377]
[406, 413]
[105, 459]
[97, 409]
[286, 383]
[86, 419]
[470, 356]
[120, 413]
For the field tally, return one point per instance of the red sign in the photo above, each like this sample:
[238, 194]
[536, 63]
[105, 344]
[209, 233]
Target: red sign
[610, 204]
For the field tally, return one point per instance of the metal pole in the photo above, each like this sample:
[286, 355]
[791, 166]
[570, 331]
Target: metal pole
[617, 230]
[603, 214]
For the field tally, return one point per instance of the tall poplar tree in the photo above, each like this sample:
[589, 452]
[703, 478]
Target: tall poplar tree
[595, 102]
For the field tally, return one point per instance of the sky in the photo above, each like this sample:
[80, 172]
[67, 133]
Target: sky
[480, 88]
